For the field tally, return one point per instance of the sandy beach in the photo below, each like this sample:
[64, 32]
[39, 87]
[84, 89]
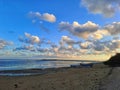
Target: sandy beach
[96, 78]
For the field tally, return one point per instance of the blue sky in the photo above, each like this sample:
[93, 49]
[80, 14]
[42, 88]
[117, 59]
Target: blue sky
[73, 27]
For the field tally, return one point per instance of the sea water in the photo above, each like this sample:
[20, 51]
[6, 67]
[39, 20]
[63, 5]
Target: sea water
[32, 64]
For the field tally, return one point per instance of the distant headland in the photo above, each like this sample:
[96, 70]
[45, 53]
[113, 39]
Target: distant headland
[113, 61]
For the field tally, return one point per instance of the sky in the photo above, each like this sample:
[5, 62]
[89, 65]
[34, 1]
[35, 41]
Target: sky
[60, 29]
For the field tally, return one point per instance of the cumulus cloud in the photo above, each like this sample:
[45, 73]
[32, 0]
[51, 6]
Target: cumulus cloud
[86, 45]
[4, 43]
[105, 7]
[90, 29]
[44, 17]
[113, 28]
[24, 47]
[93, 41]
[101, 46]
[30, 39]
[80, 30]
[94, 36]
[69, 47]
[67, 40]
[65, 47]
[44, 50]
[115, 44]
[99, 34]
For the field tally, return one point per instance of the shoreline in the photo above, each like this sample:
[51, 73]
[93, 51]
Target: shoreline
[32, 72]
[60, 79]
[44, 70]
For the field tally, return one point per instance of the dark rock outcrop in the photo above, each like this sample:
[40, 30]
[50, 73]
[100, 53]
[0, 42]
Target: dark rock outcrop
[114, 61]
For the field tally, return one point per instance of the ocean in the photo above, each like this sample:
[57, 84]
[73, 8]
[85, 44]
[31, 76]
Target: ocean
[34, 64]
[18, 64]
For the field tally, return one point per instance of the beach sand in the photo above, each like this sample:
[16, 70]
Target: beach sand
[62, 79]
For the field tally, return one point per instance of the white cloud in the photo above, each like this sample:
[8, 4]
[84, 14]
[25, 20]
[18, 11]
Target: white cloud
[86, 45]
[105, 7]
[113, 28]
[45, 16]
[94, 37]
[27, 35]
[48, 17]
[4, 43]
[66, 40]
[31, 39]
[43, 50]
[99, 34]
[80, 30]
[90, 29]
[69, 47]
[102, 46]
[25, 47]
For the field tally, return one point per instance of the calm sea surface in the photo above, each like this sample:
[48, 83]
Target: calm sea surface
[34, 64]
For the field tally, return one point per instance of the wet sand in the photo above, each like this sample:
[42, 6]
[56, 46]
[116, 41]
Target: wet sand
[94, 78]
